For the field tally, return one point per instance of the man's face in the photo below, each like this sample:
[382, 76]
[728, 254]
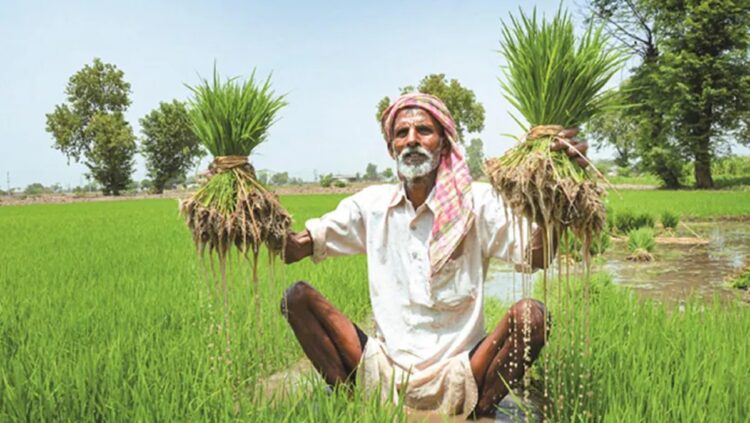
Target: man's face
[417, 143]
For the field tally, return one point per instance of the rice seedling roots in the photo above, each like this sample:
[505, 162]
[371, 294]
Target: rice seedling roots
[534, 190]
[256, 217]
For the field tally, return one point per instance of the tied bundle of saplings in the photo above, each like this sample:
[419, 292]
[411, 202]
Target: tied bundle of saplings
[554, 82]
[232, 208]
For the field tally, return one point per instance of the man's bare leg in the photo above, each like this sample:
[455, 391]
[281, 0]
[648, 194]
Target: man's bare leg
[499, 358]
[328, 338]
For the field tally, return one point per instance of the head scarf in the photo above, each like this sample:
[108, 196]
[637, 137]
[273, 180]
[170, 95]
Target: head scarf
[453, 210]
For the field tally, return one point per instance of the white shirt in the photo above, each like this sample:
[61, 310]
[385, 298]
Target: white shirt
[421, 320]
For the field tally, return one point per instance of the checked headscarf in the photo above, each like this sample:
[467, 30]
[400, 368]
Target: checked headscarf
[454, 205]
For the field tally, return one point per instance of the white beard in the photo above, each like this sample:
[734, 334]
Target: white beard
[414, 171]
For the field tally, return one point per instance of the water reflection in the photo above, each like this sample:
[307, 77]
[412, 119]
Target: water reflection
[678, 272]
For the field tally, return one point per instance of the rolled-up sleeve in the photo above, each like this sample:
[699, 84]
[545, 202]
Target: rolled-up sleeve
[338, 233]
[501, 235]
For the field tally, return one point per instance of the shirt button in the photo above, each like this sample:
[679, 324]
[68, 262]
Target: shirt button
[414, 255]
[413, 226]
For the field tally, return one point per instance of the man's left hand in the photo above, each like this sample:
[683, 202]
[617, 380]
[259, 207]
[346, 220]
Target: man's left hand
[575, 148]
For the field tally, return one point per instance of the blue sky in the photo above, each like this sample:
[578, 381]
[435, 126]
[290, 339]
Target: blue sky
[335, 60]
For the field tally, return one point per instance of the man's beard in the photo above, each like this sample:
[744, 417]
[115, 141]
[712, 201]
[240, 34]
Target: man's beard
[411, 171]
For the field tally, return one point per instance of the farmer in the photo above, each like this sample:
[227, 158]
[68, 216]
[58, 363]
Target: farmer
[428, 241]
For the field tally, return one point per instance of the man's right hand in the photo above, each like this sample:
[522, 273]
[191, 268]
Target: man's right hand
[298, 246]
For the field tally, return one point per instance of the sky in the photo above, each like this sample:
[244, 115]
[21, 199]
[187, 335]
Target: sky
[334, 60]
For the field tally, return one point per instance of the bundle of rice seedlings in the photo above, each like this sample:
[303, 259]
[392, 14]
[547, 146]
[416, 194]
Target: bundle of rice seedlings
[554, 82]
[231, 119]
[641, 244]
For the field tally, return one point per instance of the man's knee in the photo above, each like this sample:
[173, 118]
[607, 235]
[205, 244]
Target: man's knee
[295, 296]
[536, 312]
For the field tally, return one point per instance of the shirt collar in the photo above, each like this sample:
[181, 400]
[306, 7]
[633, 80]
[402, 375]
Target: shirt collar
[400, 195]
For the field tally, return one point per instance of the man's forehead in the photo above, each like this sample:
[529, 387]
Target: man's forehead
[413, 115]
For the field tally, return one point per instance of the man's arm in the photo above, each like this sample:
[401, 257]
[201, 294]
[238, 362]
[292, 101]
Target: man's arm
[298, 246]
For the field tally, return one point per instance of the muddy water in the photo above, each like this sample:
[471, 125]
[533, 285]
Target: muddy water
[678, 271]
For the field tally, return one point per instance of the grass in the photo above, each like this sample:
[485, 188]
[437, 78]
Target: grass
[103, 316]
[695, 205]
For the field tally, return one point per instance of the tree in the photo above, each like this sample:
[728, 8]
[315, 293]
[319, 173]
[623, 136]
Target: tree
[475, 158]
[169, 144]
[467, 112]
[371, 173]
[35, 189]
[90, 128]
[281, 178]
[387, 174]
[705, 75]
[691, 90]
[326, 180]
[617, 129]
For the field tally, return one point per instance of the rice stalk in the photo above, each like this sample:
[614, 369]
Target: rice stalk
[554, 81]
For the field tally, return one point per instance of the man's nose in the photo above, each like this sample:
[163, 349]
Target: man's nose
[412, 139]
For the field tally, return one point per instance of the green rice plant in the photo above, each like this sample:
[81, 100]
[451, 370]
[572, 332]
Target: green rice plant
[689, 205]
[625, 221]
[741, 280]
[231, 118]
[641, 244]
[644, 220]
[669, 220]
[675, 365]
[553, 81]
[600, 242]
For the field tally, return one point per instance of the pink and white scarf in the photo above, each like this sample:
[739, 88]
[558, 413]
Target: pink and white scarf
[454, 209]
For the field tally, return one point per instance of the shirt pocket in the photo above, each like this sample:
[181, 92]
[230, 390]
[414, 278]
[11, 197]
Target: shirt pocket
[451, 287]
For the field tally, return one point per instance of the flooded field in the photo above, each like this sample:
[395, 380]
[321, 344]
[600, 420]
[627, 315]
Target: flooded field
[678, 271]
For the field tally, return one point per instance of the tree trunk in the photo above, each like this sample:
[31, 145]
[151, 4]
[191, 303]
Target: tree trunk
[703, 177]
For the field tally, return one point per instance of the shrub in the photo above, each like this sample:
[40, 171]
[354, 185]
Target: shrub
[669, 220]
[326, 180]
[339, 183]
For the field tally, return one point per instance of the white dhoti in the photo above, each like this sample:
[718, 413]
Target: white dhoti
[445, 387]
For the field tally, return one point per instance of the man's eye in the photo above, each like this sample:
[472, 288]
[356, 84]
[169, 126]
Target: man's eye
[401, 133]
[424, 130]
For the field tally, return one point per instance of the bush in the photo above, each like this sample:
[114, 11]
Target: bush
[326, 180]
[669, 220]
[641, 238]
[339, 183]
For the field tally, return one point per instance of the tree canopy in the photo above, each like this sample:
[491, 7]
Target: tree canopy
[691, 90]
[90, 128]
[169, 144]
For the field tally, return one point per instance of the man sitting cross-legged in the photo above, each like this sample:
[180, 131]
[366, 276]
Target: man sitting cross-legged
[428, 242]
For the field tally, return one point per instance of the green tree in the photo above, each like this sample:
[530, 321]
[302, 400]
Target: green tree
[467, 112]
[691, 90]
[617, 129]
[281, 178]
[169, 144]
[90, 128]
[705, 75]
[475, 158]
[371, 173]
[387, 174]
